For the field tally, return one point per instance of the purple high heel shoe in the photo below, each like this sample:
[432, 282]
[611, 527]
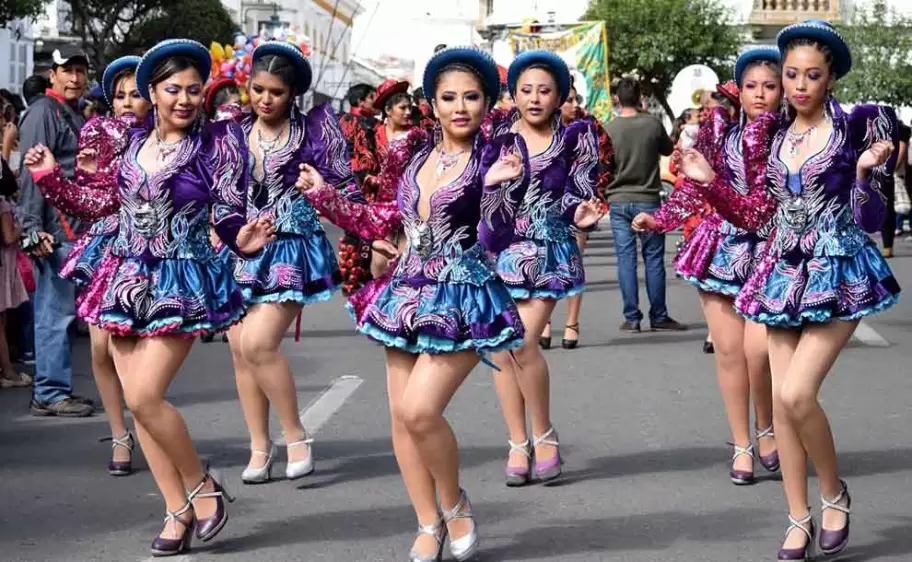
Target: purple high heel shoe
[771, 461]
[208, 528]
[742, 477]
[806, 525]
[517, 476]
[549, 470]
[162, 546]
[121, 468]
[834, 542]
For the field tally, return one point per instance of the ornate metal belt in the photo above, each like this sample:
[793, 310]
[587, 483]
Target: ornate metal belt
[420, 238]
[147, 219]
[795, 214]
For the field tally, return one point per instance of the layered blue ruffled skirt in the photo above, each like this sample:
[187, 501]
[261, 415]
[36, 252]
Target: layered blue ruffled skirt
[542, 269]
[292, 268]
[796, 289]
[443, 318]
[82, 263]
[183, 297]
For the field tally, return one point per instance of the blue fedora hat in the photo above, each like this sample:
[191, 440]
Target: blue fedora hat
[193, 50]
[547, 59]
[110, 73]
[472, 57]
[747, 58]
[824, 33]
[303, 71]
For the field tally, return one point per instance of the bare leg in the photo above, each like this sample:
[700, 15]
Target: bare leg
[575, 302]
[152, 365]
[756, 351]
[793, 459]
[6, 364]
[254, 403]
[166, 475]
[512, 403]
[815, 355]
[264, 327]
[430, 388]
[108, 387]
[727, 330]
[419, 484]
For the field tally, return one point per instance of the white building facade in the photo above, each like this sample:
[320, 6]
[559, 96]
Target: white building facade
[17, 49]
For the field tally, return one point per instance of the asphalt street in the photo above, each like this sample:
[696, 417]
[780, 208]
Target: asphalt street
[641, 425]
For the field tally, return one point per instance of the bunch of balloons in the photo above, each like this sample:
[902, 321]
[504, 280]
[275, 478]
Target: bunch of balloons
[233, 61]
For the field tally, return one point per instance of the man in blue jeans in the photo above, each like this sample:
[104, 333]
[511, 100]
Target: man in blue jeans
[54, 121]
[639, 140]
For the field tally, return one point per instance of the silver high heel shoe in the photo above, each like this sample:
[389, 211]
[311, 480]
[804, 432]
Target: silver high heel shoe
[262, 474]
[438, 531]
[299, 469]
[465, 547]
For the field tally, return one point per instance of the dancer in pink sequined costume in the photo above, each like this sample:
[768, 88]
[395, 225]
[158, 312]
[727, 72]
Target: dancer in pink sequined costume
[718, 257]
[819, 273]
[102, 143]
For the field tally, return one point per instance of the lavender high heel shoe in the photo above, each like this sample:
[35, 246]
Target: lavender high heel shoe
[771, 461]
[549, 470]
[806, 525]
[742, 477]
[465, 547]
[438, 531]
[121, 468]
[519, 475]
[162, 546]
[208, 528]
[834, 542]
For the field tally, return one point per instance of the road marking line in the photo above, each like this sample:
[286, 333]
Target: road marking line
[181, 558]
[318, 412]
[869, 336]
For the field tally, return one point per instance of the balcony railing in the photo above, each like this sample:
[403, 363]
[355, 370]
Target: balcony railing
[785, 12]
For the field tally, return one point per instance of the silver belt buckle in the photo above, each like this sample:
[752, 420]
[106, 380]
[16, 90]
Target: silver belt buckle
[419, 238]
[146, 219]
[796, 214]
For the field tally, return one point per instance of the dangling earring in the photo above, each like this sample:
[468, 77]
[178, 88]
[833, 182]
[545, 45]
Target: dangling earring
[438, 133]
[555, 121]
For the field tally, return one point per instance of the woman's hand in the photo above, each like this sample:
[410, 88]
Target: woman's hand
[588, 213]
[309, 179]
[873, 157]
[507, 168]
[254, 235]
[694, 166]
[644, 222]
[87, 161]
[39, 159]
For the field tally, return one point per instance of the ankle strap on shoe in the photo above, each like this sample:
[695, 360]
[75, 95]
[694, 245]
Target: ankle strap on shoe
[834, 504]
[768, 432]
[175, 515]
[127, 441]
[523, 448]
[543, 439]
[805, 524]
[739, 450]
[199, 493]
[462, 510]
[431, 530]
[305, 441]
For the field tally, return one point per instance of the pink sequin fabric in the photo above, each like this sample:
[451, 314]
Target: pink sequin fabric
[91, 195]
[718, 256]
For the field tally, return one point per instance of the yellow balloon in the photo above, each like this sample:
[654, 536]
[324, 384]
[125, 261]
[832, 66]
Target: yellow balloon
[229, 52]
[245, 99]
[217, 52]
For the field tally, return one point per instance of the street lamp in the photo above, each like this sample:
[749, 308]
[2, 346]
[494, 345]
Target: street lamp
[274, 27]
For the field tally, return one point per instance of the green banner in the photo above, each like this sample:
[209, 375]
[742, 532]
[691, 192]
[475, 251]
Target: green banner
[584, 48]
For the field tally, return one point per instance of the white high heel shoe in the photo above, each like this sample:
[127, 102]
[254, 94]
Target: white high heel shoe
[262, 474]
[465, 547]
[301, 468]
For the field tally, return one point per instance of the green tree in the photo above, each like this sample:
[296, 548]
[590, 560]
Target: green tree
[112, 28]
[656, 39]
[16, 9]
[881, 41]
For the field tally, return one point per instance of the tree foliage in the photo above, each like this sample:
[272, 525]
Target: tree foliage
[656, 39]
[112, 28]
[20, 9]
[881, 41]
